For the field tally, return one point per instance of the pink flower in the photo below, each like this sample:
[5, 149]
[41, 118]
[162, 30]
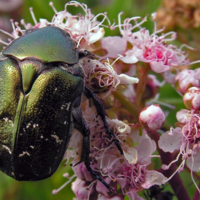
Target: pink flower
[84, 29]
[152, 117]
[129, 171]
[152, 48]
[81, 189]
[186, 79]
[102, 78]
[184, 139]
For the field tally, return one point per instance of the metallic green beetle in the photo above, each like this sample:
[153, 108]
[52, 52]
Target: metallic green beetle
[41, 84]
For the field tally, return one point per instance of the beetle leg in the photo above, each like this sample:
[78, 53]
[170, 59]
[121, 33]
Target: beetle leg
[80, 125]
[100, 110]
[85, 53]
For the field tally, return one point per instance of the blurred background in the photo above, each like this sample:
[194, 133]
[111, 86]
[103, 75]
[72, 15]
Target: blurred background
[178, 15]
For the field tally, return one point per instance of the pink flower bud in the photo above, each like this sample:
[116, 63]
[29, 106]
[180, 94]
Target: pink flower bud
[152, 117]
[191, 98]
[186, 79]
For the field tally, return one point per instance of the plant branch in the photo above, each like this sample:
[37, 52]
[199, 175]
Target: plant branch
[175, 182]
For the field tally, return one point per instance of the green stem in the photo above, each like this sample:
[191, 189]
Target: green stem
[127, 104]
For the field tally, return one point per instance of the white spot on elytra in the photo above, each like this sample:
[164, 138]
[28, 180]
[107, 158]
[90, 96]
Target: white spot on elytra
[68, 105]
[24, 153]
[28, 125]
[7, 148]
[49, 170]
[35, 125]
[32, 147]
[6, 119]
[57, 139]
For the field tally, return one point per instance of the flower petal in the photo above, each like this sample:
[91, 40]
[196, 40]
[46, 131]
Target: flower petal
[170, 142]
[153, 178]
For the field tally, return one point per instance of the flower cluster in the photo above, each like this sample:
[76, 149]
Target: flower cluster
[182, 13]
[123, 73]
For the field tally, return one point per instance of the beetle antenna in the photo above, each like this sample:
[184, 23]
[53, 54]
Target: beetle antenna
[54, 9]
[33, 16]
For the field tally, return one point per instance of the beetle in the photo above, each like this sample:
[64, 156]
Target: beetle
[41, 84]
[156, 192]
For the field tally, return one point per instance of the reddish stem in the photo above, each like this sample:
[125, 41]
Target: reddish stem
[194, 174]
[197, 194]
[175, 182]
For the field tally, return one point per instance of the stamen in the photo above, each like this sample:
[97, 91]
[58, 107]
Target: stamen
[54, 9]
[119, 56]
[65, 184]
[195, 62]
[18, 29]
[187, 46]
[1, 41]
[180, 166]
[173, 36]
[100, 23]
[76, 4]
[162, 103]
[192, 175]
[79, 41]
[165, 167]
[14, 29]
[23, 23]
[119, 21]
[33, 16]
[6, 33]
[138, 24]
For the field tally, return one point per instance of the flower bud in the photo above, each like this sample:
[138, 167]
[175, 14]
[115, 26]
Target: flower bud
[186, 79]
[191, 98]
[152, 117]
